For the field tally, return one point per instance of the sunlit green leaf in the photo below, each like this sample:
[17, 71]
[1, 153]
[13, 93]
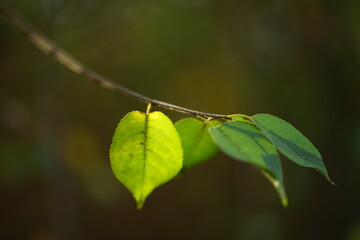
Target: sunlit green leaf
[290, 142]
[245, 142]
[196, 140]
[145, 152]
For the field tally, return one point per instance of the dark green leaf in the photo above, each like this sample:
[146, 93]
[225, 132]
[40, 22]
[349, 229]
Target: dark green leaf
[290, 142]
[245, 142]
[145, 153]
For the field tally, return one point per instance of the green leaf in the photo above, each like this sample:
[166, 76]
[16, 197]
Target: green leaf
[145, 153]
[196, 140]
[245, 142]
[290, 142]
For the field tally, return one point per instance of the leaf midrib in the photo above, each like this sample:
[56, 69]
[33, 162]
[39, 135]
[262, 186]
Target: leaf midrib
[146, 126]
[292, 150]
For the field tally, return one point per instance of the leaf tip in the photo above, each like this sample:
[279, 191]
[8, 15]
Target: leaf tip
[332, 183]
[283, 196]
[140, 204]
[284, 201]
[326, 175]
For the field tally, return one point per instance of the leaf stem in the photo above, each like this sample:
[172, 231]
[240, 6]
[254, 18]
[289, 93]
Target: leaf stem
[148, 108]
[49, 48]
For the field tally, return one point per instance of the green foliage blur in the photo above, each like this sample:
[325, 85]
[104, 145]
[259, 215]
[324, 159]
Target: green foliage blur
[299, 60]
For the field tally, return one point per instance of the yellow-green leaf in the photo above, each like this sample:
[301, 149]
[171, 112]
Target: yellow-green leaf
[196, 140]
[145, 153]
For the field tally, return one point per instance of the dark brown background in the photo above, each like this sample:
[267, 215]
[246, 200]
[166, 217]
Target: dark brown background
[295, 59]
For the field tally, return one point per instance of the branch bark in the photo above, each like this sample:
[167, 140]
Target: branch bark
[49, 48]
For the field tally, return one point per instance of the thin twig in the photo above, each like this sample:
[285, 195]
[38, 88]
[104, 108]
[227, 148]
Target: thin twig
[48, 47]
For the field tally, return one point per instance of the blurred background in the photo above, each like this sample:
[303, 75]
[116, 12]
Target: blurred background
[299, 60]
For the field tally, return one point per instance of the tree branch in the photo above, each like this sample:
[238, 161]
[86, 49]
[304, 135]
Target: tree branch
[48, 47]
